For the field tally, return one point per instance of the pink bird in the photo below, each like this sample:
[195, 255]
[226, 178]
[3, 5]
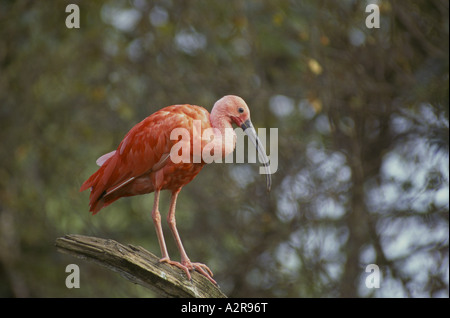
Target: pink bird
[142, 162]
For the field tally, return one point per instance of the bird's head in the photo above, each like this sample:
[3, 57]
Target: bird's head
[232, 108]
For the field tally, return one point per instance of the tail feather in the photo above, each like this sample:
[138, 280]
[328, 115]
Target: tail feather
[98, 183]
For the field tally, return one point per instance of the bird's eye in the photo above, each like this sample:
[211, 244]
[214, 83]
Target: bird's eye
[240, 110]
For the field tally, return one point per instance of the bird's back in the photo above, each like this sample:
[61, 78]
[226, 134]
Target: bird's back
[132, 168]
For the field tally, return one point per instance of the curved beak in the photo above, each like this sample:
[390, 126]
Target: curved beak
[247, 127]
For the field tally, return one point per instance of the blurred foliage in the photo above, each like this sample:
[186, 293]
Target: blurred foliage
[363, 141]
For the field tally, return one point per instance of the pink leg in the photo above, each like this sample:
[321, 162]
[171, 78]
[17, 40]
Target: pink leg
[185, 262]
[156, 216]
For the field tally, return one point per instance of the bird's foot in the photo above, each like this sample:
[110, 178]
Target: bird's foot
[187, 266]
[177, 264]
[204, 270]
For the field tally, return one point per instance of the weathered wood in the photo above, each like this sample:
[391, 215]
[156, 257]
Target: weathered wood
[139, 266]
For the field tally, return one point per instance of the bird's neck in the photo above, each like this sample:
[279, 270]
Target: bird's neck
[219, 120]
[223, 131]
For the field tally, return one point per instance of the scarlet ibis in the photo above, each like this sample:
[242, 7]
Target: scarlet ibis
[142, 162]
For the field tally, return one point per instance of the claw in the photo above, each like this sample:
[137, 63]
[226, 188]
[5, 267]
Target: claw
[199, 267]
[188, 266]
[177, 264]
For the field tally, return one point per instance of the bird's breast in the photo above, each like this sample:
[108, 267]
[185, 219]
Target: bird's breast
[178, 175]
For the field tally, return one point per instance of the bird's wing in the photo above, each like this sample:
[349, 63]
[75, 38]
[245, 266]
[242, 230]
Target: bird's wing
[100, 161]
[145, 148]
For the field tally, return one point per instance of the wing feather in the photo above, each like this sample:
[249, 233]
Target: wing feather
[145, 148]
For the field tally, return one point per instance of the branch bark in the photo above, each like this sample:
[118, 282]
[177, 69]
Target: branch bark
[138, 266]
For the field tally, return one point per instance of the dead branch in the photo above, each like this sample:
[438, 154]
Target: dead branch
[138, 266]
